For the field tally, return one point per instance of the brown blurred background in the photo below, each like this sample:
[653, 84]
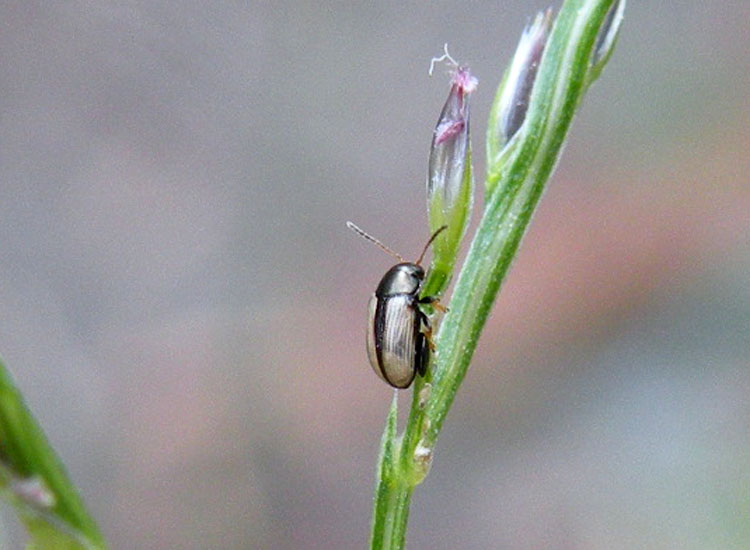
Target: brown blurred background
[184, 309]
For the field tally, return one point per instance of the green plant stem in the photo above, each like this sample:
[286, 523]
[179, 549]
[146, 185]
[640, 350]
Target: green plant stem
[518, 180]
[396, 506]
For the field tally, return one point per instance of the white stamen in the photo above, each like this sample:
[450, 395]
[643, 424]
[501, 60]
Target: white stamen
[446, 56]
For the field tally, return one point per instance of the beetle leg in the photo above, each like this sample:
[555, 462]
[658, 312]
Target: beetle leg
[440, 307]
[424, 341]
[427, 331]
[434, 301]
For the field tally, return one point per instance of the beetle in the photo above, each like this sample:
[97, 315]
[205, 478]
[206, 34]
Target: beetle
[399, 334]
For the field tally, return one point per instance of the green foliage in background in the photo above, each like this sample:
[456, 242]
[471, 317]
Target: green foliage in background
[34, 480]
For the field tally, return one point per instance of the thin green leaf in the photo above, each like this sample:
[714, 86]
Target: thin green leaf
[59, 520]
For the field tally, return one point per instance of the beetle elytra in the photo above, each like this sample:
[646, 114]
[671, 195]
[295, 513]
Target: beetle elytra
[398, 331]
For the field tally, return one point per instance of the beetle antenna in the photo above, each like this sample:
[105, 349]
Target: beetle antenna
[373, 240]
[435, 234]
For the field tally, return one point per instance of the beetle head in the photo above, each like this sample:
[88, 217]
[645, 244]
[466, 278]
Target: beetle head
[403, 278]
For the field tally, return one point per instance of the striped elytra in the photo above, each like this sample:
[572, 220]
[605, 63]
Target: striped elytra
[398, 344]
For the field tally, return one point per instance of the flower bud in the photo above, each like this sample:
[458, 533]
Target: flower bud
[34, 491]
[607, 36]
[449, 180]
[513, 94]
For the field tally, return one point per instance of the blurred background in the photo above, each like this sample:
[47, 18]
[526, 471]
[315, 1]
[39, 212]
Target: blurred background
[184, 308]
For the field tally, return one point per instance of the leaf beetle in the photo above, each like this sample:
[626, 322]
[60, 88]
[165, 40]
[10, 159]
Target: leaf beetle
[399, 334]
